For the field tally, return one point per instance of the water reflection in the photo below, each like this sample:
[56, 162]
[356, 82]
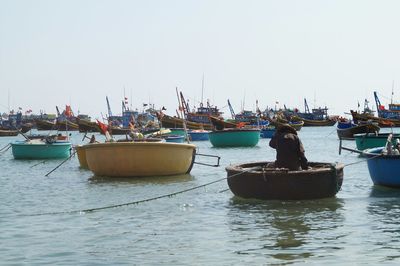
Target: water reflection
[285, 230]
[142, 180]
[384, 219]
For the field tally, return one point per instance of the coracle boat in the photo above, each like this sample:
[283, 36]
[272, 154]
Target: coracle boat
[138, 158]
[234, 137]
[349, 132]
[259, 181]
[267, 132]
[49, 148]
[384, 169]
[198, 135]
[372, 140]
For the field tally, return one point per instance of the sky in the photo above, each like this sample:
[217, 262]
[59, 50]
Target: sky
[77, 52]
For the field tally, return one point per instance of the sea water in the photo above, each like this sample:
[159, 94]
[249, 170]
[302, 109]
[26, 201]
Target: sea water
[43, 218]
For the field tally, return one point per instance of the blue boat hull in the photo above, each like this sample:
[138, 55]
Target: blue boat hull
[198, 136]
[384, 170]
[267, 133]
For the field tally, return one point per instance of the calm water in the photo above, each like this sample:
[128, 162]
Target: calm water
[207, 226]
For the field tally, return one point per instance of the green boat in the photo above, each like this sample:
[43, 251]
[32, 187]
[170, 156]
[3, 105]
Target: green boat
[234, 137]
[40, 149]
[371, 140]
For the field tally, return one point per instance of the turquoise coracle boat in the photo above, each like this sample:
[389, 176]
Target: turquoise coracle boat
[40, 149]
[234, 137]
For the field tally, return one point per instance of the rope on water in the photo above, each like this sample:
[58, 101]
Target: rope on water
[61, 164]
[139, 201]
[367, 159]
[3, 150]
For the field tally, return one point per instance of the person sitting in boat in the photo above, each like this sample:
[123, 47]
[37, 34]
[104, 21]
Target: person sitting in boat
[289, 149]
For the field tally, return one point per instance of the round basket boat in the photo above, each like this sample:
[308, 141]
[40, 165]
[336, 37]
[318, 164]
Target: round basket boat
[235, 137]
[133, 159]
[258, 181]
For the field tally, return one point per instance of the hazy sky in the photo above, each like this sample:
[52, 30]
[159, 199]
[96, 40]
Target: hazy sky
[334, 53]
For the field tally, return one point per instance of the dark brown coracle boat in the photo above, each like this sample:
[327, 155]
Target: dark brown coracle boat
[259, 181]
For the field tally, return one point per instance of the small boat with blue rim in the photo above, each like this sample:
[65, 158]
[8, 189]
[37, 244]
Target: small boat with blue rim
[383, 168]
[198, 135]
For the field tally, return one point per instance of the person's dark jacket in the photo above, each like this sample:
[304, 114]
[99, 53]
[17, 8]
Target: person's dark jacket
[289, 149]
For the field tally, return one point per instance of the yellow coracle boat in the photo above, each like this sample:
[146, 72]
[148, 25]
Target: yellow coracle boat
[132, 159]
[81, 151]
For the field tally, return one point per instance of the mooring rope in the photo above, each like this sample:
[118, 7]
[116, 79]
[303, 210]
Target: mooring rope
[367, 159]
[3, 150]
[9, 144]
[140, 201]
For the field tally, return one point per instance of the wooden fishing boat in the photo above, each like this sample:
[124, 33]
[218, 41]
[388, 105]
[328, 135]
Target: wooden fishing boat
[133, 159]
[176, 122]
[219, 123]
[372, 140]
[235, 137]
[319, 123]
[259, 181]
[66, 125]
[382, 122]
[41, 149]
[87, 126]
[348, 133]
[8, 133]
[296, 124]
[43, 124]
[198, 135]
[383, 169]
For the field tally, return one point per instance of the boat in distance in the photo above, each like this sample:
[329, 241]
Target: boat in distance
[260, 181]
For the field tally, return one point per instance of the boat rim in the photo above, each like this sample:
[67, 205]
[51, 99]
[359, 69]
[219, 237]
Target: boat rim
[258, 168]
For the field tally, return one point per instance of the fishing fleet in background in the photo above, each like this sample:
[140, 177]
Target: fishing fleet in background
[153, 143]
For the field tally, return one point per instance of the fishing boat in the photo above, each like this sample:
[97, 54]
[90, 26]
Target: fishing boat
[8, 133]
[296, 124]
[219, 123]
[45, 124]
[50, 148]
[85, 125]
[317, 116]
[259, 181]
[139, 158]
[176, 122]
[198, 135]
[384, 169]
[372, 140]
[352, 129]
[235, 137]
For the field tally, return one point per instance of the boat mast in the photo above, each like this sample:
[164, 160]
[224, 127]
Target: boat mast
[202, 89]
[391, 99]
